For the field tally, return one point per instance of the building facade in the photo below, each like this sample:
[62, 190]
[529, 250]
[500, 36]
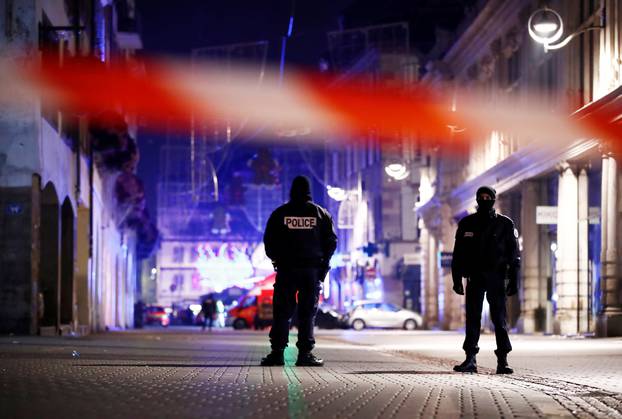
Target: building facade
[378, 250]
[69, 236]
[565, 201]
[211, 230]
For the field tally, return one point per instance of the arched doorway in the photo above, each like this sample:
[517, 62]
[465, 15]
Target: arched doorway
[49, 272]
[67, 258]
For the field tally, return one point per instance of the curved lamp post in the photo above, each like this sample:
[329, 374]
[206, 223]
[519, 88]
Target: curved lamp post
[336, 193]
[397, 171]
[546, 27]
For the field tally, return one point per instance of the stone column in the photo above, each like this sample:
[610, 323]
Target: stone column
[453, 303]
[433, 280]
[82, 268]
[583, 262]
[430, 274]
[566, 271]
[530, 281]
[610, 317]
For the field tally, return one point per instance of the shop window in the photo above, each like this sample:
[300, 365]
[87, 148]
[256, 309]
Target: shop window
[178, 254]
[194, 254]
[178, 282]
[54, 50]
[513, 69]
[52, 46]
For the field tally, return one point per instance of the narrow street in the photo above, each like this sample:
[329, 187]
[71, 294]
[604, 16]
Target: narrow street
[181, 372]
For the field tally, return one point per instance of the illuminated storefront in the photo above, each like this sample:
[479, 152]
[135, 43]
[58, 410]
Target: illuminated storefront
[188, 269]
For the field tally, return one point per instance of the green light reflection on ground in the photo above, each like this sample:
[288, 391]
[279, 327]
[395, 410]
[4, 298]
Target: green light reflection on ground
[296, 406]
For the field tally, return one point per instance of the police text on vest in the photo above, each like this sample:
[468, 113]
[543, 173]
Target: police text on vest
[300, 223]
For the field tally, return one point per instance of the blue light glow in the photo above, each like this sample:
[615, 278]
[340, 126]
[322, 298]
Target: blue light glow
[291, 26]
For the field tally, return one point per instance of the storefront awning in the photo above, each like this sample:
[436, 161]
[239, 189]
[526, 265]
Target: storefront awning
[533, 161]
[522, 165]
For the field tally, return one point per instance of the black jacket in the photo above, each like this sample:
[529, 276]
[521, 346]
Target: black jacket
[486, 243]
[208, 306]
[300, 234]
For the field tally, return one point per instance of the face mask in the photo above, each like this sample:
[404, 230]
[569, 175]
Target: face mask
[485, 205]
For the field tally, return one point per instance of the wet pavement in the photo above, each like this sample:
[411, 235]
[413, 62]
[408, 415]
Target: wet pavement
[181, 372]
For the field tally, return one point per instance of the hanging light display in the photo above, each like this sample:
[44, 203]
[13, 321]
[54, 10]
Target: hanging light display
[222, 268]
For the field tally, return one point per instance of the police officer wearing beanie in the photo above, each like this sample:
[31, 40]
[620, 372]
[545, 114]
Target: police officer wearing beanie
[300, 240]
[486, 253]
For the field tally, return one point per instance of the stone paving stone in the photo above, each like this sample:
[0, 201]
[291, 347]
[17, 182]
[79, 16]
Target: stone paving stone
[589, 361]
[184, 373]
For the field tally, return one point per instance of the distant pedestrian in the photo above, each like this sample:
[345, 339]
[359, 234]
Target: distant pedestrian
[300, 240]
[486, 253]
[209, 311]
[139, 314]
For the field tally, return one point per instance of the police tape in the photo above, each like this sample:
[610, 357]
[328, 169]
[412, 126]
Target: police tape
[316, 108]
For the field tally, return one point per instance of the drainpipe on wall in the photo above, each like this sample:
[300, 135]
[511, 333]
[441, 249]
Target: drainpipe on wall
[76, 39]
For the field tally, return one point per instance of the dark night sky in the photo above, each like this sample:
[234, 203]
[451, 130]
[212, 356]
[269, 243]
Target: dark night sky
[178, 27]
[175, 27]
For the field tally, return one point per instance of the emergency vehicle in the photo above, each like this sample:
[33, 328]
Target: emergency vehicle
[254, 309]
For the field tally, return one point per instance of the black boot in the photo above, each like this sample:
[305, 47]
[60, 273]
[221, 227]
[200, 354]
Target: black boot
[469, 364]
[502, 363]
[307, 359]
[274, 358]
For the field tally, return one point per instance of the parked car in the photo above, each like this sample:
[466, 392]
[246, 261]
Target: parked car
[383, 315]
[328, 318]
[156, 315]
[182, 314]
[325, 318]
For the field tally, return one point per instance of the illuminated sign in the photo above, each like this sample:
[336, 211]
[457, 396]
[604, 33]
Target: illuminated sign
[211, 267]
[222, 267]
[548, 215]
[446, 258]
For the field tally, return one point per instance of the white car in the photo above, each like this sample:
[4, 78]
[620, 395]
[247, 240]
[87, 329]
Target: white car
[378, 314]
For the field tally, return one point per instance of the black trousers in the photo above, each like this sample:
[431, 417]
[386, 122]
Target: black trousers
[493, 286]
[289, 282]
[208, 320]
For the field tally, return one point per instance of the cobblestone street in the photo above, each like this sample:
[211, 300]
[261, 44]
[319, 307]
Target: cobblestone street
[185, 373]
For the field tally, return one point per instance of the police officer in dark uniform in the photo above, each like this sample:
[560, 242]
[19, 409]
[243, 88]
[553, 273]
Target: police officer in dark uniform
[486, 253]
[300, 240]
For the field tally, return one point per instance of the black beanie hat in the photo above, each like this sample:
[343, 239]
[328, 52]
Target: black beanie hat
[301, 189]
[486, 189]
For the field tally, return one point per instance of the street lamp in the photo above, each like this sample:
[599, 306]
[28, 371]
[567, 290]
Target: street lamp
[397, 171]
[546, 27]
[336, 193]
